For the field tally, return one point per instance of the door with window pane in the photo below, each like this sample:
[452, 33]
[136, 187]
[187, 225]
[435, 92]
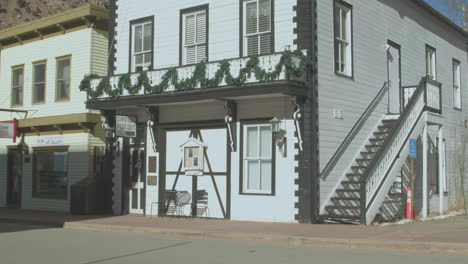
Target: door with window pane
[258, 159]
[137, 192]
[258, 27]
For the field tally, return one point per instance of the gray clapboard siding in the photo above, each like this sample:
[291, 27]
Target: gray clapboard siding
[373, 23]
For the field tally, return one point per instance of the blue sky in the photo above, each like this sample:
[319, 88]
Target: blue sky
[439, 5]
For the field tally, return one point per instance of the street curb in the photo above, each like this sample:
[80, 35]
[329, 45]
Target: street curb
[400, 246]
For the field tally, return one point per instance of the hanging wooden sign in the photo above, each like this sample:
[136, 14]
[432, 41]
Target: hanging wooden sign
[8, 129]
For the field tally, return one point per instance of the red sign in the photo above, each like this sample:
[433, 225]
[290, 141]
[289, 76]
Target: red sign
[8, 129]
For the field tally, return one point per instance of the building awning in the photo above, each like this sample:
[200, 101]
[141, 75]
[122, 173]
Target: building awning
[73, 123]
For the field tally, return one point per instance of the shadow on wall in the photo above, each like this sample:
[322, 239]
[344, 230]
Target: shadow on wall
[407, 9]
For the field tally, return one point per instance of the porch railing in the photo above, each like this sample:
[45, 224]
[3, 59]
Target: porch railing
[267, 63]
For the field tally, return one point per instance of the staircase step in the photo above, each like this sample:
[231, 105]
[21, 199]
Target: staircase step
[347, 191]
[342, 207]
[382, 133]
[352, 182]
[368, 152]
[363, 160]
[377, 139]
[358, 167]
[341, 217]
[346, 199]
[354, 175]
[389, 121]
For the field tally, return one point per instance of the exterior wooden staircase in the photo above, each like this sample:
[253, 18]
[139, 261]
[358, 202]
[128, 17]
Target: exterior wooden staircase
[345, 204]
[363, 188]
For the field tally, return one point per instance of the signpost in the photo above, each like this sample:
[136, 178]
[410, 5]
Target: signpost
[8, 129]
[125, 126]
[413, 145]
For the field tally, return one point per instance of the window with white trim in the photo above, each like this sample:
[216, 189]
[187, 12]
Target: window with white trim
[258, 37]
[257, 159]
[17, 86]
[194, 37]
[39, 82]
[63, 79]
[142, 46]
[343, 39]
[431, 63]
[457, 102]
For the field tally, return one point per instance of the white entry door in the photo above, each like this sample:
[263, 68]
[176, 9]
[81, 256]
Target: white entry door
[137, 190]
[393, 64]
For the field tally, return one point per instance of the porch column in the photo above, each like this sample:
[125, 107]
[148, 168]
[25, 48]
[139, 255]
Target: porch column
[424, 172]
[441, 170]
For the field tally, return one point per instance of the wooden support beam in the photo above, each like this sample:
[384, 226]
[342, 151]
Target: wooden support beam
[62, 28]
[59, 128]
[39, 33]
[19, 39]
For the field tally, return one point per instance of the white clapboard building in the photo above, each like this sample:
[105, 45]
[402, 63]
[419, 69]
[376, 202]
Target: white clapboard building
[59, 142]
[291, 110]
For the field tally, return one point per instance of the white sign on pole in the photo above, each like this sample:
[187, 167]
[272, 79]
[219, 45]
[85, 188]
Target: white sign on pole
[7, 130]
[52, 140]
[125, 126]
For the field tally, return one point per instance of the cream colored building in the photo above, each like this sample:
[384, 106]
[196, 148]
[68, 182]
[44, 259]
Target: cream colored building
[42, 64]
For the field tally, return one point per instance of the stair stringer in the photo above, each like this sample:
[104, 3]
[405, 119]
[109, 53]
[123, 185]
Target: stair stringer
[377, 202]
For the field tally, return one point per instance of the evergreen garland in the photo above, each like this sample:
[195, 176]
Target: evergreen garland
[171, 76]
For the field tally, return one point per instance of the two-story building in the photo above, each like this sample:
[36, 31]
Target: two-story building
[60, 142]
[291, 110]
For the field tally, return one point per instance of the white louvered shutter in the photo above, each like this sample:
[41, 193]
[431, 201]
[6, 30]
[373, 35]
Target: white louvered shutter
[201, 36]
[265, 26]
[191, 49]
[251, 28]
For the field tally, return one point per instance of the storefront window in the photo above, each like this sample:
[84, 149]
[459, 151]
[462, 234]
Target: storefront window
[50, 173]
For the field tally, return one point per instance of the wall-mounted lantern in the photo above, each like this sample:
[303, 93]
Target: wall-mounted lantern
[279, 135]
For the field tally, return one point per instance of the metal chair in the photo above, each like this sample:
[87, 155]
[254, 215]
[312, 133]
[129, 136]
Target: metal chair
[201, 199]
[174, 202]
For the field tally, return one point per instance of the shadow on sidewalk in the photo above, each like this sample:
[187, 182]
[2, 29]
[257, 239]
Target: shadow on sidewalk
[16, 220]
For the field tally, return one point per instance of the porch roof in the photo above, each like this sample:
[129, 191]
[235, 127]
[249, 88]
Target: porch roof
[291, 88]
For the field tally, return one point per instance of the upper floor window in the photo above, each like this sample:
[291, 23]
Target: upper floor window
[343, 38]
[63, 78]
[431, 63]
[17, 86]
[39, 79]
[194, 36]
[142, 43]
[258, 37]
[457, 102]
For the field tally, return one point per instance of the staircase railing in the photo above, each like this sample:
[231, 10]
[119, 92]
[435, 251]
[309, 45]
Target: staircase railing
[426, 97]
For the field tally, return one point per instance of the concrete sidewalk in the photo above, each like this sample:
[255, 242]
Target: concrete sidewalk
[442, 236]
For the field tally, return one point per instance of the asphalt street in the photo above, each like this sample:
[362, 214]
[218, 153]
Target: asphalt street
[45, 245]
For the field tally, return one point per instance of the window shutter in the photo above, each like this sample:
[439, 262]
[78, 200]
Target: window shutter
[147, 37]
[138, 38]
[190, 30]
[201, 36]
[251, 11]
[201, 28]
[264, 16]
[252, 45]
